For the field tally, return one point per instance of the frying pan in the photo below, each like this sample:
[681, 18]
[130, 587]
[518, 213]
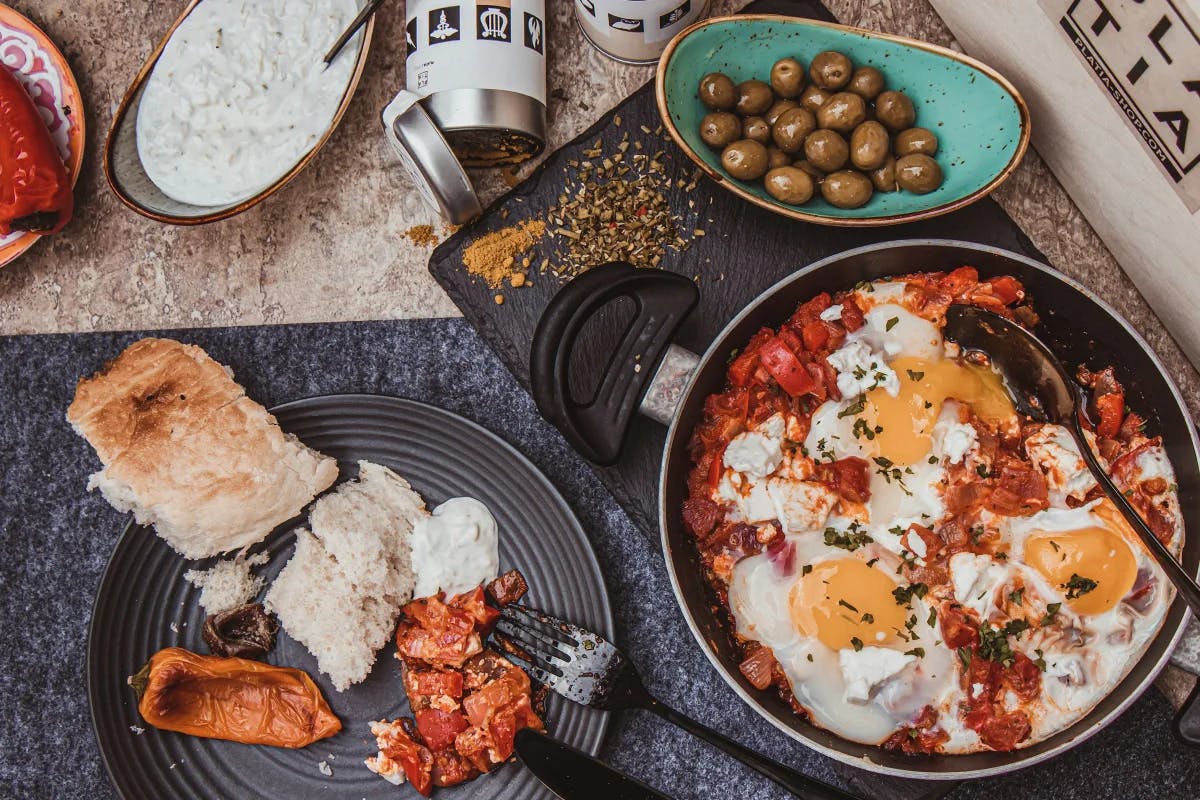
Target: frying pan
[647, 373]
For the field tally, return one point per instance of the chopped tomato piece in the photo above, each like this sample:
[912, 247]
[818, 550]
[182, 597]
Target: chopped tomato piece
[1006, 731]
[815, 335]
[759, 667]
[786, 369]
[957, 628]
[1023, 677]
[1111, 410]
[960, 281]
[852, 315]
[434, 683]
[849, 477]
[438, 728]
[1007, 289]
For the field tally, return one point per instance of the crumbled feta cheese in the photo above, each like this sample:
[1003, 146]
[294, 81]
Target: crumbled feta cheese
[865, 670]
[953, 439]
[757, 453]
[801, 505]
[915, 544]
[1052, 449]
[975, 580]
[833, 313]
[860, 369]
[977, 690]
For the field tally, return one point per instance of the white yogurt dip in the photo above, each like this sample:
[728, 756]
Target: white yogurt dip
[455, 548]
[241, 94]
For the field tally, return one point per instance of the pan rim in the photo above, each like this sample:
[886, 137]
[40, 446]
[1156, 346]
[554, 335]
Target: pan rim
[1020, 758]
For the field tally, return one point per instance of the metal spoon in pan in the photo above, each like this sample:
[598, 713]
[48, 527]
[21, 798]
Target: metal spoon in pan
[1043, 391]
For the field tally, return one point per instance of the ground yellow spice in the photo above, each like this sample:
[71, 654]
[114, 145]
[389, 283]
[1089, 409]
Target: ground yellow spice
[494, 257]
[422, 235]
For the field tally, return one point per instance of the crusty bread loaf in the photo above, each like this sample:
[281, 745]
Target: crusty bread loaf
[188, 452]
[342, 590]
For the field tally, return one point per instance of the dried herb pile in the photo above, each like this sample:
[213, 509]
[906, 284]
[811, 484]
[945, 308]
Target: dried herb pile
[612, 207]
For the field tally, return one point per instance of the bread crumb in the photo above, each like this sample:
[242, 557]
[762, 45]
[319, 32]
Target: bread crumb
[326, 770]
[136, 730]
[228, 583]
[499, 299]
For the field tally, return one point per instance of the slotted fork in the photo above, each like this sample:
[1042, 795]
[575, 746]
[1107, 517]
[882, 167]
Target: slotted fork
[586, 669]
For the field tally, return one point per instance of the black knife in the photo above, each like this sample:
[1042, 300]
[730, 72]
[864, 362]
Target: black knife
[574, 775]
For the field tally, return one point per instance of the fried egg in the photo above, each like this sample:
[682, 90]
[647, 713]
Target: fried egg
[861, 663]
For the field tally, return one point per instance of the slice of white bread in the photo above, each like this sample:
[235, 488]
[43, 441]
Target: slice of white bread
[342, 590]
[188, 452]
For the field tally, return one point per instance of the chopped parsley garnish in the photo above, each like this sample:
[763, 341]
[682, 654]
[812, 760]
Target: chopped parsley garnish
[1040, 661]
[964, 655]
[847, 540]
[1051, 613]
[983, 471]
[864, 286]
[862, 429]
[856, 642]
[977, 532]
[868, 618]
[1078, 586]
[933, 459]
[932, 617]
[1017, 596]
[844, 604]
[857, 407]
[891, 323]
[872, 562]
[916, 376]
[810, 658]
[919, 652]
[807, 568]
[905, 594]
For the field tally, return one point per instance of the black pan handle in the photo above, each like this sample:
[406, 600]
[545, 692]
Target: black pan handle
[1187, 721]
[597, 427]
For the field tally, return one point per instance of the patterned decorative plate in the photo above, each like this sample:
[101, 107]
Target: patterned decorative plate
[144, 604]
[41, 67]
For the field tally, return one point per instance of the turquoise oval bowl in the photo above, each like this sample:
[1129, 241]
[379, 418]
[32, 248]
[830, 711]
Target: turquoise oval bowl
[980, 119]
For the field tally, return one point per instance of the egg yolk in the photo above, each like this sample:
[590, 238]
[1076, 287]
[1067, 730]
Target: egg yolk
[844, 599]
[907, 419]
[1091, 554]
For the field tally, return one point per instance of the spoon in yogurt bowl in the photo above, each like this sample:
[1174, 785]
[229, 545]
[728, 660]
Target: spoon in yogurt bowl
[1042, 390]
[365, 14]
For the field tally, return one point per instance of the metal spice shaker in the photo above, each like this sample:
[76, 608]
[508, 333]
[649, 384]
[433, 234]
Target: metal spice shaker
[635, 31]
[481, 69]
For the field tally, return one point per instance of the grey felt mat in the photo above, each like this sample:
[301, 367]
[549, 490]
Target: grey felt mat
[56, 539]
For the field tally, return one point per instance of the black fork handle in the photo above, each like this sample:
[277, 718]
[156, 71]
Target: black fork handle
[795, 782]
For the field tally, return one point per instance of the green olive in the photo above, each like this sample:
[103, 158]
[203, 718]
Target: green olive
[830, 70]
[719, 128]
[814, 173]
[869, 146]
[745, 159]
[813, 97]
[787, 77]
[753, 98]
[780, 106]
[843, 112]
[895, 110]
[884, 178]
[718, 92]
[916, 140]
[846, 189]
[756, 128]
[826, 150]
[792, 128]
[918, 173]
[777, 158]
[789, 185]
[866, 82]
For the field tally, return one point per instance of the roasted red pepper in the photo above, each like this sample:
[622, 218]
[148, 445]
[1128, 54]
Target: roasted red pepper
[35, 189]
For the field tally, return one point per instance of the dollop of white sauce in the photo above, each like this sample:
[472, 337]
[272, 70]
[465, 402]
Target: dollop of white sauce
[455, 548]
[240, 95]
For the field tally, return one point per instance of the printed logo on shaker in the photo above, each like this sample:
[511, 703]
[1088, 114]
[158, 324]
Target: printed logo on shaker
[533, 33]
[493, 23]
[410, 37]
[626, 24]
[444, 25]
[671, 17]
[589, 6]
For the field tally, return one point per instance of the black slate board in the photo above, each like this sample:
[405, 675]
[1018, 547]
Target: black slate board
[745, 250]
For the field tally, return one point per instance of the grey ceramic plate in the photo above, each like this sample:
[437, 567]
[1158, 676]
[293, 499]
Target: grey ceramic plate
[145, 604]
